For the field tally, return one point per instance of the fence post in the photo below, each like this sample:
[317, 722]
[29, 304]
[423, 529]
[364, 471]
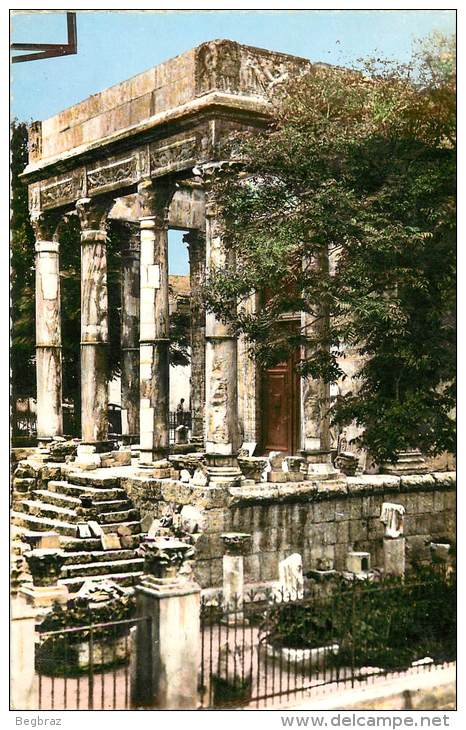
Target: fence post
[23, 625]
[168, 639]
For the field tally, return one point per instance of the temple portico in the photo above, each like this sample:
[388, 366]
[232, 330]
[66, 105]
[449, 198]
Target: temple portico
[141, 156]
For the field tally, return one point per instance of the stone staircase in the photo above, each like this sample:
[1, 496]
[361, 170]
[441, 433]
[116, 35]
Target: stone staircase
[58, 508]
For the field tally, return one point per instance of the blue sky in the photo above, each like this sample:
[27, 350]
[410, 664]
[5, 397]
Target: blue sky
[115, 45]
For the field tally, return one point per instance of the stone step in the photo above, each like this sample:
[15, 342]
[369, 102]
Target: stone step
[43, 524]
[63, 500]
[78, 545]
[97, 479]
[124, 579]
[94, 569]
[104, 518]
[98, 494]
[41, 509]
[134, 527]
[84, 557]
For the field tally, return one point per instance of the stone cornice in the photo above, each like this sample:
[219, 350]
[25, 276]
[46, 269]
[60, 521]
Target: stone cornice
[239, 108]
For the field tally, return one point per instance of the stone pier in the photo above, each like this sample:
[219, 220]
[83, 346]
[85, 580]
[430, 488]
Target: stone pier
[154, 200]
[94, 321]
[48, 329]
[130, 292]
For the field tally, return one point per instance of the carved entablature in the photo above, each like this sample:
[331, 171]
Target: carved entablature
[35, 141]
[228, 66]
[180, 152]
[58, 191]
[217, 67]
[112, 173]
[261, 71]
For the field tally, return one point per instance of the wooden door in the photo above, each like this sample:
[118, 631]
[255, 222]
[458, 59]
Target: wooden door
[280, 408]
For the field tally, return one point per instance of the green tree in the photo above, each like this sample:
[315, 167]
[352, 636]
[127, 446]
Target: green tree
[345, 209]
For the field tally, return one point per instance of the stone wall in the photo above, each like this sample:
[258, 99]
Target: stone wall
[315, 520]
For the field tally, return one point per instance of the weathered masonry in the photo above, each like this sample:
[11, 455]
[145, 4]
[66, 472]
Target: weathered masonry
[143, 152]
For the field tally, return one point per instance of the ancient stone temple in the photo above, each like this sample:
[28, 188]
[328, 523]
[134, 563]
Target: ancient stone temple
[142, 153]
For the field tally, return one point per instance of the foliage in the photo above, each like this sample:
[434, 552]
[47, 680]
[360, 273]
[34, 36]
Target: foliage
[388, 624]
[58, 654]
[22, 352]
[345, 209]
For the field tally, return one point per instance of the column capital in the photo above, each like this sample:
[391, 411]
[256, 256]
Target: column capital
[45, 224]
[236, 543]
[93, 216]
[129, 232]
[153, 199]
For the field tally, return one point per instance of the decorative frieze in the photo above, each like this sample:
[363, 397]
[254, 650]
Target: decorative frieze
[58, 193]
[112, 175]
[164, 157]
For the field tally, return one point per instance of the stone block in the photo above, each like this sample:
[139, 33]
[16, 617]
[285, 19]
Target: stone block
[410, 482]
[437, 523]
[375, 528]
[342, 509]
[358, 561]
[342, 536]
[445, 479]
[324, 511]
[425, 502]
[268, 566]
[439, 501]
[251, 568]
[329, 533]
[371, 505]
[216, 571]
[357, 530]
[201, 570]
[394, 551]
[111, 541]
[449, 499]
[177, 492]
[24, 485]
[209, 497]
[355, 507]
[340, 556]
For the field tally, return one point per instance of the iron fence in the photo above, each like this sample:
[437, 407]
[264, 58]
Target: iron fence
[178, 418]
[87, 667]
[268, 646]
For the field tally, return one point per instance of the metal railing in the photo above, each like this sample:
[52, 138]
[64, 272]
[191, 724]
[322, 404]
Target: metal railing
[87, 667]
[269, 646]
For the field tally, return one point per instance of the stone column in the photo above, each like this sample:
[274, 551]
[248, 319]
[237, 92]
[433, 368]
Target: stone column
[154, 372]
[94, 323]
[195, 241]
[130, 291]
[168, 643]
[236, 545]
[248, 383]
[22, 651]
[48, 329]
[221, 407]
[315, 398]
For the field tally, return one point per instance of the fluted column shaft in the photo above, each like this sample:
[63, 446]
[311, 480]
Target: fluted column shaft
[94, 322]
[154, 199]
[197, 260]
[48, 330]
[130, 293]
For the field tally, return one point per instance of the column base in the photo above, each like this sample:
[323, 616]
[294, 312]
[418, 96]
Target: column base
[43, 596]
[158, 469]
[223, 470]
[319, 465]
